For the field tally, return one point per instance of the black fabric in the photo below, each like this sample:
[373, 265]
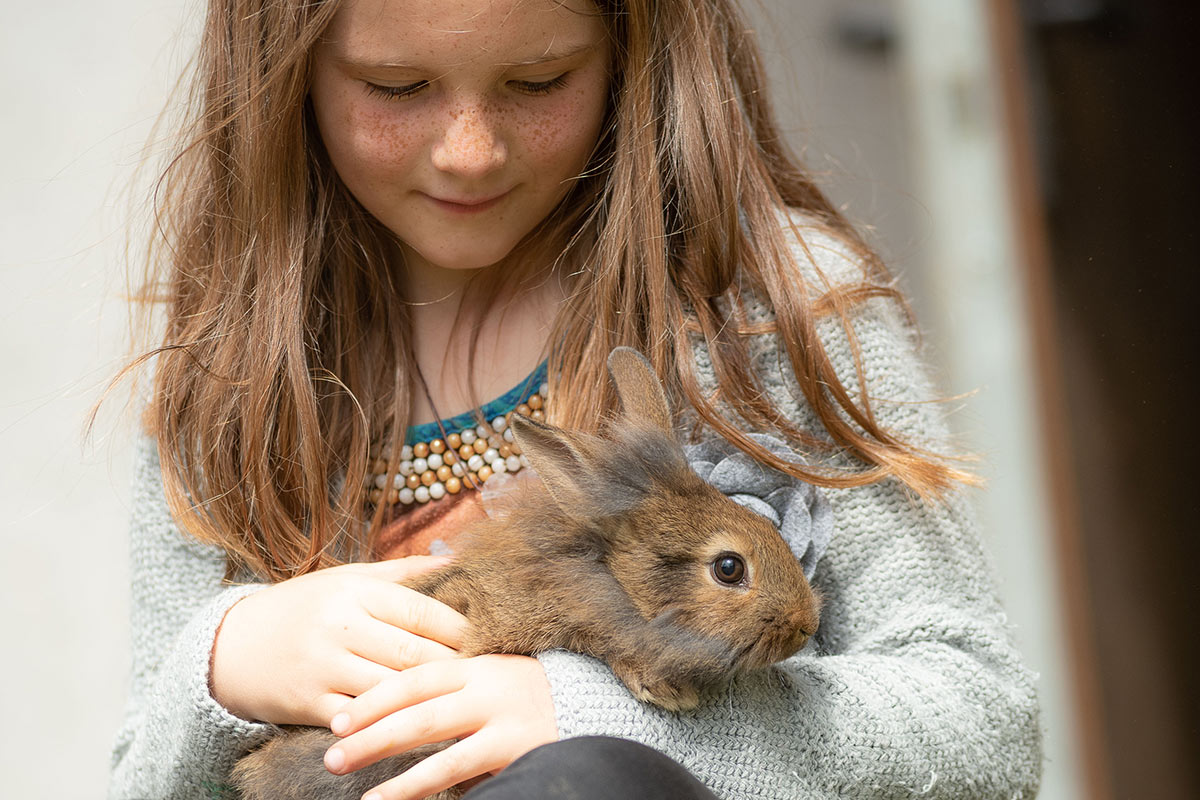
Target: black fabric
[592, 768]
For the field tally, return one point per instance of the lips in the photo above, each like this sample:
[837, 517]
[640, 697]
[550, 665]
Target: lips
[466, 205]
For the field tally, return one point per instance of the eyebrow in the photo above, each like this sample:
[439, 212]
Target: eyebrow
[551, 54]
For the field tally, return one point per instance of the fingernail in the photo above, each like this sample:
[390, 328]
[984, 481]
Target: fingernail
[335, 759]
[374, 796]
[340, 723]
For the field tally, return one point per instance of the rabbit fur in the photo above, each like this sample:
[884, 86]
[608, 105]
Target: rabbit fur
[616, 555]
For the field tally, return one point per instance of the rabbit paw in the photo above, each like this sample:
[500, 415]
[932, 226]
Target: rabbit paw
[670, 696]
[658, 690]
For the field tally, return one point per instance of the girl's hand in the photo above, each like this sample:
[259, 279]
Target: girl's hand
[498, 706]
[295, 652]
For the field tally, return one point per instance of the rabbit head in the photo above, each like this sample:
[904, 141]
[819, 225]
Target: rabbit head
[687, 557]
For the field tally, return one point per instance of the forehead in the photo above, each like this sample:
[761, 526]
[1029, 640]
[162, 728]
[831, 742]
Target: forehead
[455, 32]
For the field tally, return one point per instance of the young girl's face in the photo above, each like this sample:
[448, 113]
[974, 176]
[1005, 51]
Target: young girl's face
[460, 124]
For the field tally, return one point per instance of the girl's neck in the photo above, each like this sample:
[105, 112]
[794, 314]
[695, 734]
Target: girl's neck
[513, 326]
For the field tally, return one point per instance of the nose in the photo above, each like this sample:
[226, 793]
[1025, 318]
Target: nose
[471, 145]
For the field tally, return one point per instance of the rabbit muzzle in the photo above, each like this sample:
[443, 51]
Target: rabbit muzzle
[781, 638]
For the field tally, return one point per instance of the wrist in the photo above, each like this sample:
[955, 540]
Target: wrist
[223, 665]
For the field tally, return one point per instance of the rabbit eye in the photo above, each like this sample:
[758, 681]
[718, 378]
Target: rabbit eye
[729, 569]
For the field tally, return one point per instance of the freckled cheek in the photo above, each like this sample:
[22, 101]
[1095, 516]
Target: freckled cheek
[564, 134]
[374, 143]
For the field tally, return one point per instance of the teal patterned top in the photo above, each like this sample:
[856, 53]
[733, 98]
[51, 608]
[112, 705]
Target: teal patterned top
[489, 411]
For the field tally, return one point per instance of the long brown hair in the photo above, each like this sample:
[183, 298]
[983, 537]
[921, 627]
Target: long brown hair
[285, 355]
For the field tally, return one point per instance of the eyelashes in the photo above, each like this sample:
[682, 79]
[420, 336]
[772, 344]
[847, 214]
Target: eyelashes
[535, 88]
[395, 92]
[542, 87]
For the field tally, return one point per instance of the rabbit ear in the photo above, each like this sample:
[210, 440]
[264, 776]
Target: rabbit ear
[572, 470]
[641, 393]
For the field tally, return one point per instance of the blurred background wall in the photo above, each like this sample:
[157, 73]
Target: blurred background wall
[1027, 170]
[80, 84]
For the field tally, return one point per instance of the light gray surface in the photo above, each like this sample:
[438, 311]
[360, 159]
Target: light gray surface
[79, 85]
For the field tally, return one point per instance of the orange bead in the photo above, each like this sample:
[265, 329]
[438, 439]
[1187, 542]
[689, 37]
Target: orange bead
[379, 466]
[481, 446]
[515, 448]
[453, 485]
[524, 410]
[428, 477]
[539, 415]
[444, 473]
[437, 446]
[454, 440]
[413, 481]
[420, 450]
[505, 450]
[484, 473]
[393, 497]
[535, 402]
[466, 451]
[376, 495]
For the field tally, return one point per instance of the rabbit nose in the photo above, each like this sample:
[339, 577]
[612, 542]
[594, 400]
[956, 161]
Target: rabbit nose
[789, 643]
[796, 630]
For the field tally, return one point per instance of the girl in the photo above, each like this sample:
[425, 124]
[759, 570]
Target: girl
[385, 210]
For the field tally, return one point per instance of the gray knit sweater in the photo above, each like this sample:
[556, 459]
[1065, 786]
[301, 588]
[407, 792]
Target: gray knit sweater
[913, 686]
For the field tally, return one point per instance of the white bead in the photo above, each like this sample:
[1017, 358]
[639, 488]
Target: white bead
[434, 460]
[399, 482]
[407, 496]
[499, 424]
[380, 481]
[468, 436]
[422, 494]
[524, 460]
[420, 465]
[513, 463]
[498, 466]
[437, 491]
[406, 453]
[475, 462]
[386, 452]
[482, 431]
[491, 454]
[544, 390]
[406, 468]
[508, 435]
[457, 469]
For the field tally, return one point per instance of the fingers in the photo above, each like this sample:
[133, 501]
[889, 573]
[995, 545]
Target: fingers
[416, 613]
[395, 648]
[461, 761]
[398, 692]
[324, 708]
[497, 706]
[436, 719]
[355, 675]
[400, 569]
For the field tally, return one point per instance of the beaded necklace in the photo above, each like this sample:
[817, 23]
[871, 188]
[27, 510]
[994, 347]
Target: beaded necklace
[446, 463]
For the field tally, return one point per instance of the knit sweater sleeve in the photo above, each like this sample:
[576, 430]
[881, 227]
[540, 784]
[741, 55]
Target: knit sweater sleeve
[176, 742]
[914, 686]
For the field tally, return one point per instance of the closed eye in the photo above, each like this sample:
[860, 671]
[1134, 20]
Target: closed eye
[540, 87]
[525, 87]
[396, 92]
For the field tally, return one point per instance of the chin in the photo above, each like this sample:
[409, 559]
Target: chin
[464, 260]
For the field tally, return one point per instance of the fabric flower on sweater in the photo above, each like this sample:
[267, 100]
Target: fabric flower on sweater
[797, 509]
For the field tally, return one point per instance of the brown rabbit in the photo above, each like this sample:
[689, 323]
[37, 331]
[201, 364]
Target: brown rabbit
[625, 554]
